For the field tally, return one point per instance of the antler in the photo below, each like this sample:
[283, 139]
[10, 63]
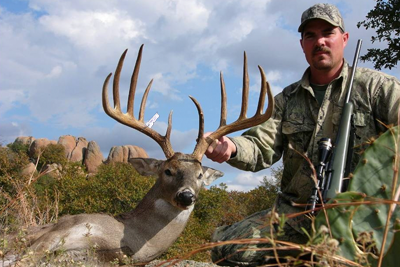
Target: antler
[128, 118]
[242, 122]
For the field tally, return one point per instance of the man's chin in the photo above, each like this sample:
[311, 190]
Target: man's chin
[323, 65]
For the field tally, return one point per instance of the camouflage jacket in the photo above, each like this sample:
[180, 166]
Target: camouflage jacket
[298, 123]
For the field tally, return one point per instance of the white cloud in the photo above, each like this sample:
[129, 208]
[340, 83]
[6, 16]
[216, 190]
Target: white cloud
[55, 72]
[11, 130]
[10, 98]
[92, 29]
[273, 76]
[162, 85]
[246, 181]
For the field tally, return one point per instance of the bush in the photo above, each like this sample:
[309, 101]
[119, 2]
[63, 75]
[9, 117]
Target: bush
[19, 148]
[53, 153]
[116, 188]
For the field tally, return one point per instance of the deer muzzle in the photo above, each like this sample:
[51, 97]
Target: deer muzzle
[185, 198]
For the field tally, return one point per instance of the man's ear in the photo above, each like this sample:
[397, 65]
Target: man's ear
[345, 39]
[301, 42]
[146, 166]
[210, 175]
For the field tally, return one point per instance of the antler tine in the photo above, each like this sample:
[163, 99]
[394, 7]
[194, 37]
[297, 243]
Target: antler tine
[201, 118]
[242, 122]
[134, 79]
[106, 103]
[223, 101]
[168, 134]
[117, 104]
[144, 100]
[245, 92]
[128, 118]
[265, 86]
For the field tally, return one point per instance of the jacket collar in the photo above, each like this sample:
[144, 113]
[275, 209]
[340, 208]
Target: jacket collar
[304, 83]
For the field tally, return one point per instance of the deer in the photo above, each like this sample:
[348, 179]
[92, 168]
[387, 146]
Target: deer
[148, 230]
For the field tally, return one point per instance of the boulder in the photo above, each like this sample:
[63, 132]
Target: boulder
[25, 140]
[79, 151]
[28, 170]
[93, 157]
[53, 170]
[69, 143]
[124, 153]
[38, 146]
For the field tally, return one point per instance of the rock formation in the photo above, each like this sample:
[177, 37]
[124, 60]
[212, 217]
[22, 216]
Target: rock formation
[93, 157]
[124, 153]
[80, 150]
[38, 145]
[25, 140]
[69, 143]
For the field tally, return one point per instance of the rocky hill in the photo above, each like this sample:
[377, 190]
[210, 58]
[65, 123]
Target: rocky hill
[80, 150]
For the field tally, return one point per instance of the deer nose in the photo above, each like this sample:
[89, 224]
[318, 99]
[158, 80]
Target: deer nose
[186, 198]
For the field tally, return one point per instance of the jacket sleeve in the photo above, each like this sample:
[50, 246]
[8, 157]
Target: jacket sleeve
[386, 100]
[261, 146]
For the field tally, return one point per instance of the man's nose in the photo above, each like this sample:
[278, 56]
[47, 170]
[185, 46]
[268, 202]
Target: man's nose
[320, 40]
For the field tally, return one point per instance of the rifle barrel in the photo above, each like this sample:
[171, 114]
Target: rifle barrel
[338, 162]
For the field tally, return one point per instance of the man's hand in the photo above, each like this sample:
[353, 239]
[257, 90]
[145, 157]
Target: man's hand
[221, 149]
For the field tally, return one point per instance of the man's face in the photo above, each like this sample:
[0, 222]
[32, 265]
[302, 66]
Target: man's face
[323, 45]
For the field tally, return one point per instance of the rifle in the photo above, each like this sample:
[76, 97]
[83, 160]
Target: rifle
[335, 161]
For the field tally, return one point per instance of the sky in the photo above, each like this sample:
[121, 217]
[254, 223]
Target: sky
[56, 54]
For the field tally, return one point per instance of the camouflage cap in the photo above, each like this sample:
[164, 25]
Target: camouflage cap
[326, 12]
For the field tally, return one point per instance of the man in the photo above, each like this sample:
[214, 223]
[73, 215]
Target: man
[305, 112]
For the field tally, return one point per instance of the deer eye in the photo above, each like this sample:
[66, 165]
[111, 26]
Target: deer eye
[168, 172]
[200, 176]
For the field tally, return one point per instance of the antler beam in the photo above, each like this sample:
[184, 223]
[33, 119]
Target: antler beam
[242, 122]
[128, 118]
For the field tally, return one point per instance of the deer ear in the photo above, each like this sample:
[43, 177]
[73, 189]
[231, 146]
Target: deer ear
[210, 174]
[146, 166]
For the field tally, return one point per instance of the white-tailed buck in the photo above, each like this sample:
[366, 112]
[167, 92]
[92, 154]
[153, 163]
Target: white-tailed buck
[158, 220]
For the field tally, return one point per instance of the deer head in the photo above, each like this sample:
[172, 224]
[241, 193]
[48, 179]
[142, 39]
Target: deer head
[182, 175]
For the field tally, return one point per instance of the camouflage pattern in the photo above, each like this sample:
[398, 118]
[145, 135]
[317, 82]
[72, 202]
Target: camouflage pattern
[297, 124]
[257, 225]
[326, 12]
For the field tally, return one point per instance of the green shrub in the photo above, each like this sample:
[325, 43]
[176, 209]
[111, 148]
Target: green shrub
[19, 148]
[53, 153]
[116, 188]
[11, 164]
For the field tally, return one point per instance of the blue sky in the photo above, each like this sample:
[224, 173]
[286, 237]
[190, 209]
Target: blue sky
[55, 55]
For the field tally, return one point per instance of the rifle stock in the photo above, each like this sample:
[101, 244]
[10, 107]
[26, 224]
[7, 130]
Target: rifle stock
[337, 164]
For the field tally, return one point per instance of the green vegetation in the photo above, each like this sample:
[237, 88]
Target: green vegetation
[384, 19]
[54, 153]
[367, 218]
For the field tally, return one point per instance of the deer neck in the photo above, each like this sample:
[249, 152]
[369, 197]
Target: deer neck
[153, 225]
